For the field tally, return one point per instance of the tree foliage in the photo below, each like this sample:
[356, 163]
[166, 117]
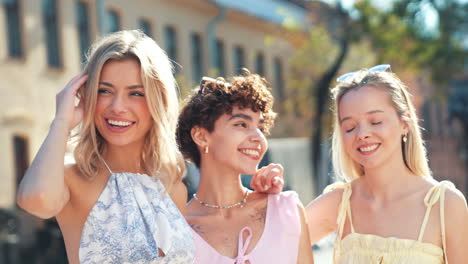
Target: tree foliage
[345, 40]
[400, 35]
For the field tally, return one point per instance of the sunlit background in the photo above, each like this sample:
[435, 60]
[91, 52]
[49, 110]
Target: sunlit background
[299, 46]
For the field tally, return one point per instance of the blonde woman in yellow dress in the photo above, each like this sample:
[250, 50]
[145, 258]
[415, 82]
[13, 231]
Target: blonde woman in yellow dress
[390, 209]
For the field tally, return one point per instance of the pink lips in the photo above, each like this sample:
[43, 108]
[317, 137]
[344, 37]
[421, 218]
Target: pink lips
[370, 152]
[251, 155]
[118, 129]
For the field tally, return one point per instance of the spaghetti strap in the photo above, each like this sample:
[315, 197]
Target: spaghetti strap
[444, 185]
[105, 164]
[345, 206]
[343, 211]
[433, 195]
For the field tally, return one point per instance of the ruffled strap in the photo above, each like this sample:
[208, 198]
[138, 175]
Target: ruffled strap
[433, 195]
[343, 211]
[345, 206]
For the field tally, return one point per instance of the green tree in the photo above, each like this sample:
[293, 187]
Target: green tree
[396, 34]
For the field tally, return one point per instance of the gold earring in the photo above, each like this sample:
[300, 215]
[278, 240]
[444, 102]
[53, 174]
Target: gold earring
[206, 149]
[405, 138]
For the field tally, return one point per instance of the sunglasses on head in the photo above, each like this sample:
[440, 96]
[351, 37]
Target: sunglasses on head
[205, 80]
[377, 68]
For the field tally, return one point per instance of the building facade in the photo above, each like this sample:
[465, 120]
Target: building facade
[43, 44]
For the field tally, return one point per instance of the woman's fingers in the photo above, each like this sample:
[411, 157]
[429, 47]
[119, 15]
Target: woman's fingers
[66, 110]
[79, 83]
[256, 182]
[269, 179]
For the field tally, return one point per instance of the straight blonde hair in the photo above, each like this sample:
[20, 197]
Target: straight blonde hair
[160, 156]
[413, 150]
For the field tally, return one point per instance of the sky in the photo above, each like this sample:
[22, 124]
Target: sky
[429, 14]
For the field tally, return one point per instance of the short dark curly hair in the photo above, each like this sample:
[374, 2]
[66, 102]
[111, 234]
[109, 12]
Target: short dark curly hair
[217, 97]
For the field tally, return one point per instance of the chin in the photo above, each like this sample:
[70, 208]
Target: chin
[371, 164]
[119, 141]
[248, 171]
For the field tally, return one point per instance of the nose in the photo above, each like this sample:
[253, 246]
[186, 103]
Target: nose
[118, 105]
[258, 138]
[363, 132]
[257, 135]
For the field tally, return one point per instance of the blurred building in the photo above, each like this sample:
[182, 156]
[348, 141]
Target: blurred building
[446, 131]
[43, 44]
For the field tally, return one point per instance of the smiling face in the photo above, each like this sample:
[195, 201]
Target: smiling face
[122, 116]
[237, 141]
[370, 127]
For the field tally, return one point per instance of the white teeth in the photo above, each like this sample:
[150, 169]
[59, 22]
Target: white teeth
[251, 152]
[369, 148]
[118, 123]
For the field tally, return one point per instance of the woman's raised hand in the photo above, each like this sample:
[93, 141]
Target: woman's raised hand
[66, 110]
[268, 179]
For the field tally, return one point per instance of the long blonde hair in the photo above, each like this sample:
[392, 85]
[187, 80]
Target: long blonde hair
[413, 150]
[160, 156]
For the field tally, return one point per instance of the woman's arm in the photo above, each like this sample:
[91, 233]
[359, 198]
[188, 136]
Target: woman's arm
[179, 196]
[456, 226]
[43, 191]
[304, 255]
[322, 214]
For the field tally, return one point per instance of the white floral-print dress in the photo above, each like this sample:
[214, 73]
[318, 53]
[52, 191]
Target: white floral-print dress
[131, 220]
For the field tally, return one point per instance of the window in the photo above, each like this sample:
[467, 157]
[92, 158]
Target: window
[145, 26]
[197, 57]
[114, 21]
[12, 9]
[170, 38]
[50, 21]
[260, 64]
[21, 150]
[82, 15]
[279, 78]
[239, 59]
[219, 58]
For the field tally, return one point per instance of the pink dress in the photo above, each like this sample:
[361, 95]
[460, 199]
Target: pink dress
[279, 242]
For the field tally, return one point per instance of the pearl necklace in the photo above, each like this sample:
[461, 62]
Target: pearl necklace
[240, 204]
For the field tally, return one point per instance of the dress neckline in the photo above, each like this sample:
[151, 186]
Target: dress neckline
[436, 193]
[240, 235]
[406, 241]
[106, 186]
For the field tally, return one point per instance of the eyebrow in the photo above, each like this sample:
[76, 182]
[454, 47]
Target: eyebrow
[244, 116]
[368, 113]
[137, 86]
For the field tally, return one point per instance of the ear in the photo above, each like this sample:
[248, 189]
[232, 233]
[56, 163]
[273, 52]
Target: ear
[405, 122]
[199, 136]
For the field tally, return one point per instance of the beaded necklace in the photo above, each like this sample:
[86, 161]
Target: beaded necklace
[240, 204]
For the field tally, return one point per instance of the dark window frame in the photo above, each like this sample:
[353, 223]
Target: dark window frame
[13, 13]
[84, 27]
[51, 22]
[220, 57]
[196, 48]
[260, 64]
[113, 14]
[21, 156]
[239, 59]
[171, 45]
[278, 68]
[146, 26]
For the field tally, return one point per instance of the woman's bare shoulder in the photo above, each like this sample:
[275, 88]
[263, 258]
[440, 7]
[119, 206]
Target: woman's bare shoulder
[455, 203]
